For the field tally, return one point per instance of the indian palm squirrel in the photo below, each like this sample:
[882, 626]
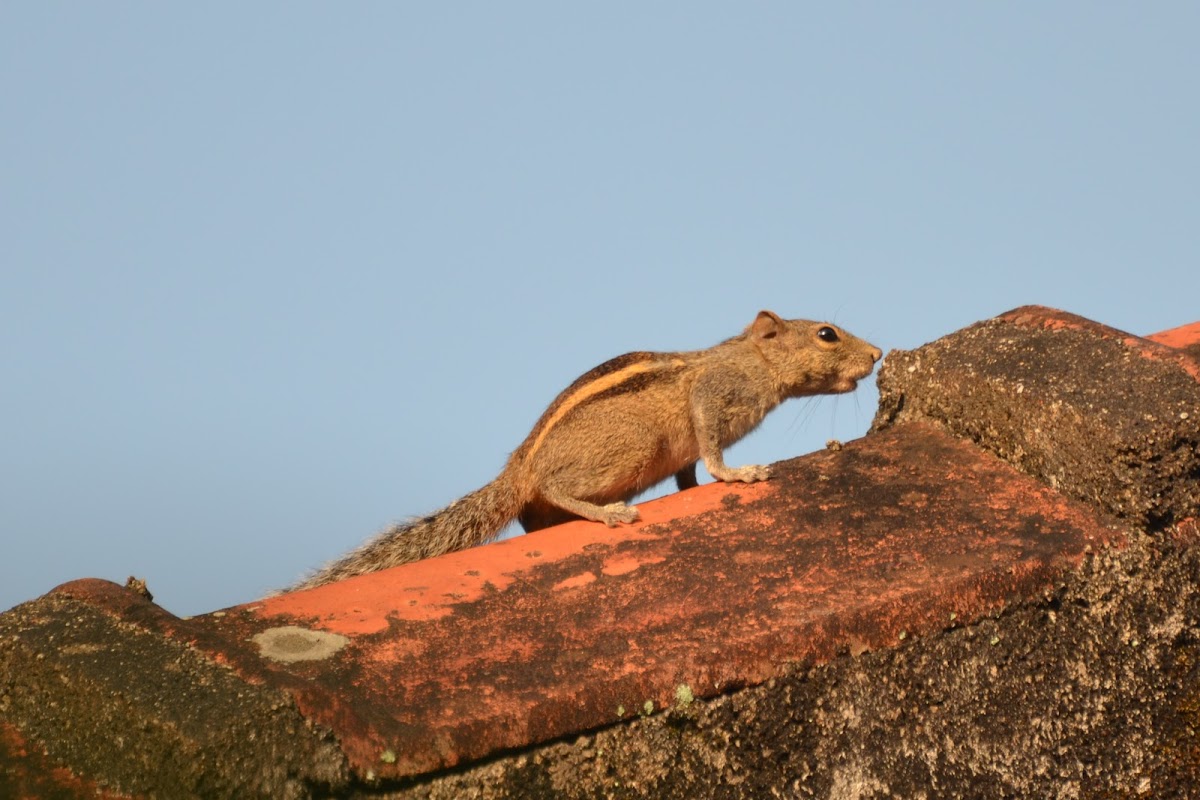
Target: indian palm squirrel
[626, 425]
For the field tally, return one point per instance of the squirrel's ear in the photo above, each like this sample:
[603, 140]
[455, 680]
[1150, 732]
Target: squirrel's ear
[766, 325]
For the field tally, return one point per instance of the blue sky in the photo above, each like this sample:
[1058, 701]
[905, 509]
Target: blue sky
[277, 274]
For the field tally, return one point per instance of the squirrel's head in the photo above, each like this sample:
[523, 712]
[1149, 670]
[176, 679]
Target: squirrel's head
[808, 357]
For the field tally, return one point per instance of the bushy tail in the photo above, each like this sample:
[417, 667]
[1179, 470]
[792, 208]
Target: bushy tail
[466, 522]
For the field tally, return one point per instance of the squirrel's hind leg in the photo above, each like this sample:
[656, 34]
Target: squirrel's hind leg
[610, 514]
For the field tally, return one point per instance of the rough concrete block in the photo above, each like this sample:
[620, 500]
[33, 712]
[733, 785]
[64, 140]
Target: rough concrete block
[1099, 414]
[88, 679]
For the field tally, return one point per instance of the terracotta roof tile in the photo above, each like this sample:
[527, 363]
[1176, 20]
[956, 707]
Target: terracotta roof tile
[1185, 338]
[579, 626]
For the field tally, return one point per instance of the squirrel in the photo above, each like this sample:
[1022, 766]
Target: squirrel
[626, 425]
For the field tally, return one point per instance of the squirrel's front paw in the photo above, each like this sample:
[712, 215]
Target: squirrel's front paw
[618, 512]
[747, 474]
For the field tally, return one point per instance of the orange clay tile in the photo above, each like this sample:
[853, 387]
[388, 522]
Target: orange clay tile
[580, 626]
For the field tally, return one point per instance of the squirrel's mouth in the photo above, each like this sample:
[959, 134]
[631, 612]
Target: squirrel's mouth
[848, 383]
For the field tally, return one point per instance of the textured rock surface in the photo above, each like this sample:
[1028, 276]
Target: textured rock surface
[1103, 416]
[148, 715]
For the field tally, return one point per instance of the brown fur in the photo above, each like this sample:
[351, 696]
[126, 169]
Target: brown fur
[626, 425]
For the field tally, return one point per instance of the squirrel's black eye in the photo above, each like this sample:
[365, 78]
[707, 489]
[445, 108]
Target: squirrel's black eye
[827, 334]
